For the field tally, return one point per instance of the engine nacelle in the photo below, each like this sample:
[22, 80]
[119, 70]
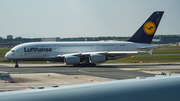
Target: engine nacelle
[97, 58]
[71, 60]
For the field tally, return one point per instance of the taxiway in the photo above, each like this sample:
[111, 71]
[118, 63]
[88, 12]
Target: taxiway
[47, 75]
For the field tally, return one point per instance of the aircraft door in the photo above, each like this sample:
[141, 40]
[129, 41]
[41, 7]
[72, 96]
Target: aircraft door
[122, 47]
[97, 46]
[117, 46]
[21, 52]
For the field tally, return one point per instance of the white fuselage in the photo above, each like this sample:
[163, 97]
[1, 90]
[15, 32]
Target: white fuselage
[39, 51]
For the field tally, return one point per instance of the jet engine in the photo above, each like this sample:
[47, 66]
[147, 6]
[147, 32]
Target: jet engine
[97, 58]
[71, 60]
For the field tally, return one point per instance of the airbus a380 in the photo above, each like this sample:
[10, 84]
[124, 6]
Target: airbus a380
[89, 53]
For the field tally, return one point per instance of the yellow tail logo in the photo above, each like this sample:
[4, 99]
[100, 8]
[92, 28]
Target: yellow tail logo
[149, 28]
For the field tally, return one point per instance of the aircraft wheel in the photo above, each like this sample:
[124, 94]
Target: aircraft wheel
[16, 66]
[76, 65]
[93, 64]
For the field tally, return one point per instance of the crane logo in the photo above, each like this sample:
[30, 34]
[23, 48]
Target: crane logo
[149, 28]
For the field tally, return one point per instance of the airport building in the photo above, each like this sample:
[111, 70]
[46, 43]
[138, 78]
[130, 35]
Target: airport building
[170, 38]
[10, 37]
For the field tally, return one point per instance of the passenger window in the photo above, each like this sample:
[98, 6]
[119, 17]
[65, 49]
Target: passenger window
[13, 51]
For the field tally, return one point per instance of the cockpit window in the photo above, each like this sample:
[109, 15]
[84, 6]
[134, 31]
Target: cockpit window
[12, 50]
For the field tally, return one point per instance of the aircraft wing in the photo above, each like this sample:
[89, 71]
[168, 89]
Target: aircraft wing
[70, 54]
[103, 53]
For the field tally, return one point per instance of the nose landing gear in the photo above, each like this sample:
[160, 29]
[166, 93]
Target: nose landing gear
[16, 64]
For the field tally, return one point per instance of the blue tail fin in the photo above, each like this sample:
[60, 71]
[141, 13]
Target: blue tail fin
[146, 32]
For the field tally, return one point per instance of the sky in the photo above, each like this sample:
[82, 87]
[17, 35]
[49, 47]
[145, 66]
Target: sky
[84, 18]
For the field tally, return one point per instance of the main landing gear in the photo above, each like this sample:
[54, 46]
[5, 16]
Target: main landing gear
[16, 64]
[86, 65]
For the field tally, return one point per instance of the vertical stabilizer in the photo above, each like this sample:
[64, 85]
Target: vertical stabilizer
[146, 32]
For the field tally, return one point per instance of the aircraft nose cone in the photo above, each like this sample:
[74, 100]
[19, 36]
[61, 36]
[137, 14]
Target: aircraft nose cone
[8, 55]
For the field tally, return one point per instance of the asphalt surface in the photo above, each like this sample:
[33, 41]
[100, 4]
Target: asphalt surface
[113, 71]
[30, 76]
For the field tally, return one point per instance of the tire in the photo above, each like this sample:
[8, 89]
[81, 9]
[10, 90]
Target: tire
[16, 66]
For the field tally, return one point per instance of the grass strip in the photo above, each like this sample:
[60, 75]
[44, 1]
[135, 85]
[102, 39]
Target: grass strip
[3, 51]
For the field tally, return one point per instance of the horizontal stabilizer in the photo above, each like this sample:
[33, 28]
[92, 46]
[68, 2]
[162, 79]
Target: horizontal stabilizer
[153, 47]
[149, 47]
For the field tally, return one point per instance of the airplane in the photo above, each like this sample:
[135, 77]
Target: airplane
[89, 53]
[158, 88]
